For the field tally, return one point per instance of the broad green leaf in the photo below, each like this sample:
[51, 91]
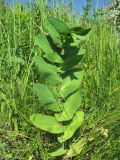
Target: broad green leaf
[70, 51]
[71, 83]
[53, 32]
[72, 60]
[46, 97]
[58, 25]
[72, 127]
[76, 148]
[80, 39]
[80, 31]
[48, 70]
[70, 107]
[46, 123]
[57, 151]
[43, 43]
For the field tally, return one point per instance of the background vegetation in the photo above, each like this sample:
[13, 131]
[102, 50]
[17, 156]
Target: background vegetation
[19, 139]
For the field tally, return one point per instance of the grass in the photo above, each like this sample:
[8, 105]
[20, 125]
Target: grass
[19, 139]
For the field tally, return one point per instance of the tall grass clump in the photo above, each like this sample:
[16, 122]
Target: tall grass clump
[100, 88]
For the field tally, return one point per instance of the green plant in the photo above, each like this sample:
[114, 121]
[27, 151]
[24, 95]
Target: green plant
[58, 63]
[100, 88]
